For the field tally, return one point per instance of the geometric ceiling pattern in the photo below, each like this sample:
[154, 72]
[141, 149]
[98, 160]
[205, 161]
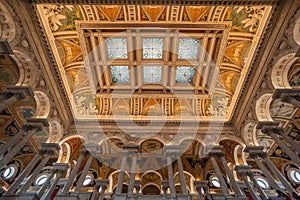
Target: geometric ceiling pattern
[153, 60]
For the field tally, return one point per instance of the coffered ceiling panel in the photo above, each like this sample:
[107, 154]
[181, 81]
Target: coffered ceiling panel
[142, 60]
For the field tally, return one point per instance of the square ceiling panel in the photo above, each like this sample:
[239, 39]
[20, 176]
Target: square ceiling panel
[116, 48]
[152, 74]
[153, 47]
[188, 48]
[120, 74]
[199, 55]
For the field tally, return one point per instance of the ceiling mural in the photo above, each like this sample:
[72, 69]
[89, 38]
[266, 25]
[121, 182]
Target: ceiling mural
[184, 60]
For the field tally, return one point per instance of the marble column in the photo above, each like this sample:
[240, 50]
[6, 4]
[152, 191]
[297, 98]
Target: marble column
[60, 169]
[73, 174]
[280, 132]
[242, 171]
[13, 140]
[83, 174]
[25, 173]
[277, 173]
[291, 95]
[170, 152]
[137, 185]
[223, 184]
[13, 151]
[181, 176]
[270, 128]
[132, 173]
[201, 185]
[103, 185]
[51, 149]
[255, 152]
[217, 152]
[14, 94]
[46, 183]
[121, 174]
[165, 186]
[258, 187]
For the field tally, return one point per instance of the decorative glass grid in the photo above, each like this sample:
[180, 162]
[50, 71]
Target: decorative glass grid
[184, 74]
[188, 48]
[116, 48]
[152, 47]
[152, 74]
[119, 74]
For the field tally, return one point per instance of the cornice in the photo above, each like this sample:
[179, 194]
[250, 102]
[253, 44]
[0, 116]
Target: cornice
[162, 2]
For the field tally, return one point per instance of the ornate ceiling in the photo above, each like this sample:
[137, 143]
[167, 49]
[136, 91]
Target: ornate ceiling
[142, 61]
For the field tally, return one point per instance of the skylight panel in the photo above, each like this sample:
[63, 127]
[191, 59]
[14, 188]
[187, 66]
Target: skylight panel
[119, 74]
[116, 47]
[188, 48]
[152, 47]
[184, 74]
[152, 74]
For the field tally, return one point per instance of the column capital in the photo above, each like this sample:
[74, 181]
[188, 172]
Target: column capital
[243, 169]
[202, 183]
[172, 150]
[30, 127]
[50, 148]
[24, 91]
[102, 182]
[284, 93]
[60, 167]
[270, 127]
[131, 148]
[39, 122]
[255, 151]
[213, 151]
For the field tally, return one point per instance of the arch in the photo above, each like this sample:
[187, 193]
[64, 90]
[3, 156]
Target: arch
[279, 75]
[190, 184]
[231, 137]
[28, 70]
[248, 134]
[155, 137]
[55, 131]
[7, 26]
[43, 105]
[154, 187]
[109, 145]
[111, 186]
[151, 171]
[296, 30]
[152, 146]
[71, 137]
[65, 149]
[262, 107]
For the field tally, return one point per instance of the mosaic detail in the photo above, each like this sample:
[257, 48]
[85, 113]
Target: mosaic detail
[184, 74]
[188, 48]
[152, 74]
[119, 74]
[116, 47]
[152, 47]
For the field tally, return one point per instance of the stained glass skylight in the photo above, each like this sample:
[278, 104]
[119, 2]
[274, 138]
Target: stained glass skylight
[119, 74]
[152, 74]
[152, 47]
[184, 74]
[188, 48]
[116, 48]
